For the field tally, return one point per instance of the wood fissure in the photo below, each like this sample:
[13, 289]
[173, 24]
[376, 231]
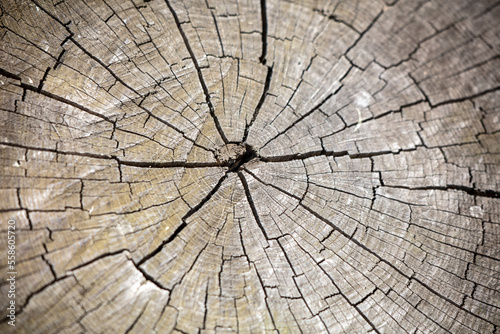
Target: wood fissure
[250, 166]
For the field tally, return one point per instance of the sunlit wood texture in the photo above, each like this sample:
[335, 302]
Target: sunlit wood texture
[251, 166]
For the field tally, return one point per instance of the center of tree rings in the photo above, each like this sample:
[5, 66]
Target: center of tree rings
[234, 155]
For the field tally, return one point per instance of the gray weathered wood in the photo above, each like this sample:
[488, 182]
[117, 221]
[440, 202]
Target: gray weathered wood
[201, 166]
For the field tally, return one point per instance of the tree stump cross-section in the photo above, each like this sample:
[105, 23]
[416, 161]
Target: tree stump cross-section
[240, 166]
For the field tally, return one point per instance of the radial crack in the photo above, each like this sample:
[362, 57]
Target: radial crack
[252, 204]
[263, 13]
[200, 75]
[365, 248]
[303, 116]
[260, 103]
[183, 225]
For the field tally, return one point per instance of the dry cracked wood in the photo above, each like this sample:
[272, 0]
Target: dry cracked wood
[229, 166]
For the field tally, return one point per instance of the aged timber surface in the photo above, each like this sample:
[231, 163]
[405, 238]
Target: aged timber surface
[246, 166]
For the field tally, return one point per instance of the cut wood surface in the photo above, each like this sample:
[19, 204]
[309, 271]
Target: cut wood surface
[245, 166]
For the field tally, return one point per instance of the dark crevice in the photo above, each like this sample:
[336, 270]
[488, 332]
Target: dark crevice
[100, 257]
[23, 98]
[65, 101]
[132, 325]
[362, 34]
[303, 116]
[19, 201]
[34, 293]
[451, 101]
[259, 278]
[97, 60]
[40, 85]
[43, 149]
[205, 313]
[9, 75]
[106, 20]
[30, 222]
[121, 251]
[149, 277]
[48, 263]
[143, 164]
[11, 210]
[365, 297]
[355, 306]
[468, 190]
[336, 19]
[252, 204]
[218, 33]
[198, 70]
[166, 241]
[81, 195]
[463, 99]
[169, 164]
[65, 40]
[471, 67]
[303, 156]
[263, 13]
[260, 103]
[307, 155]
[184, 223]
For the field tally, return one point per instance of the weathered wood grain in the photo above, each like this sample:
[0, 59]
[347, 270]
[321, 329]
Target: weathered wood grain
[241, 166]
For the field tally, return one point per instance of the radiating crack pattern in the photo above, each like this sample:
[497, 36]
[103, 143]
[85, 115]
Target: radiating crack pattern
[251, 167]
